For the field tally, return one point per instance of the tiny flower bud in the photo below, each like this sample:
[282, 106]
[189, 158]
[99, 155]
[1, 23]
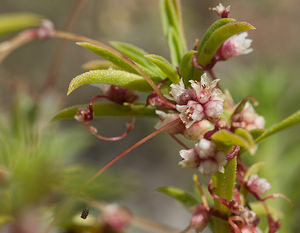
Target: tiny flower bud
[116, 217]
[121, 94]
[258, 185]
[200, 218]
[84, 115]
[235, 46]
[197, 130]
[166, 118]
[46, 30]
[221, 10]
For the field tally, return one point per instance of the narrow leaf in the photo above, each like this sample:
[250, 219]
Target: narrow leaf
[13, 22]
[109, 56]
[109, 110]
[112, 77]
[183, 197]
[176, 51]
[218, 37]
[164, 66]
[248, 137]
[225, 139]
[186, 67]
[290, 121]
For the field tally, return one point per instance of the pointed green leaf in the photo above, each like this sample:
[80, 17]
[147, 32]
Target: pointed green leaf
[248, 137]
[290, 121]
[164, 66]
[137, 55]
[176, 50]
[13, 22]
[253, 169]
[183, 197]
[112, 77]
[218, 37]
[109, 110]
[99, 65]
[186, 67]
[225, 139]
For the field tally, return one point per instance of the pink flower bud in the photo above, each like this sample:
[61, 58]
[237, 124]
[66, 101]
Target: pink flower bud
[84, 115]
[116, 217]
[166, 118]
[258, 185]
[235, 46]
[46, 30]
[197, 130]
[221, 10]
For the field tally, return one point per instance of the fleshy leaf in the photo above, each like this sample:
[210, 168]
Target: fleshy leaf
[186, 67]
[226, 139]
[13, 22]
[248, 137]
[218, 37]
[112, 77]
[253, 169]
[291, 120]
[137, 55]
[164, 66]
[109, 110]
[183, 197]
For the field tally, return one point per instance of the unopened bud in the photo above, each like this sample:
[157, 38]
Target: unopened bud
[84, 115]
[221, 10]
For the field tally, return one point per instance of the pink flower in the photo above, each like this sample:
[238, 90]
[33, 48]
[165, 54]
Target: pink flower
[205, 157]
[190, 113]
[258, 185]
[235, 46]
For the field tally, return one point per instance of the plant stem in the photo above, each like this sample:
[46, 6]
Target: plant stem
[224, 186]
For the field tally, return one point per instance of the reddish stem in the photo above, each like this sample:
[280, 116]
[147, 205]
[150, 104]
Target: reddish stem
[235, 152]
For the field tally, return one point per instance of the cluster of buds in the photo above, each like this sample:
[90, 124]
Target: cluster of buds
[258, 185]
[205, 157]
[248, 119]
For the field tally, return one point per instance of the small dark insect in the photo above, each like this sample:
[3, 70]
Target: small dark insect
[84, 213]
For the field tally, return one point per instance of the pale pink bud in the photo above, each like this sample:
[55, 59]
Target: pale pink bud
[200, 218]
[166, 118]
[197, 130]
[190, 158]
[177, 90]
[249, 216]
[214, 108]
[46, 30]
[235, 46]
[221, 10]
[250, 229]
[116, 217]
[258, 185]
[84, 115]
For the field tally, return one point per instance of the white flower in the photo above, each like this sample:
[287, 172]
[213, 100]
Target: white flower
[205, 157]
[258, 185]
[190, 113]
[177, 90]
[214, 108]
[248, 119]
[235, 46]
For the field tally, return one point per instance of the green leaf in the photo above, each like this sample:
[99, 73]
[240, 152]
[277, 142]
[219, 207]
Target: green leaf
[257, 132]
[253, 169]
[248, 137]
[109, 56]
[183, 197]
[217, 24]
[217, 38]
[173, 30]
[226, 139]
[186, 67]
[137, 55]
[109, 110]
[290, 121]
[13, 22]
[165, 67]
[259, 209]
[112, 77]
[99, 65]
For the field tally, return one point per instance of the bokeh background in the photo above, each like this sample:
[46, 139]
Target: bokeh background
[270, 74]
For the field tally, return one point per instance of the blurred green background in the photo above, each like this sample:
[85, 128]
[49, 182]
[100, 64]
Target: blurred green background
[270, 74]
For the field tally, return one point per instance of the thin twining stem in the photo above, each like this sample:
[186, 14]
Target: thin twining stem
[74, 37]
[61, 48]
[103, 169]
[179, 141]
